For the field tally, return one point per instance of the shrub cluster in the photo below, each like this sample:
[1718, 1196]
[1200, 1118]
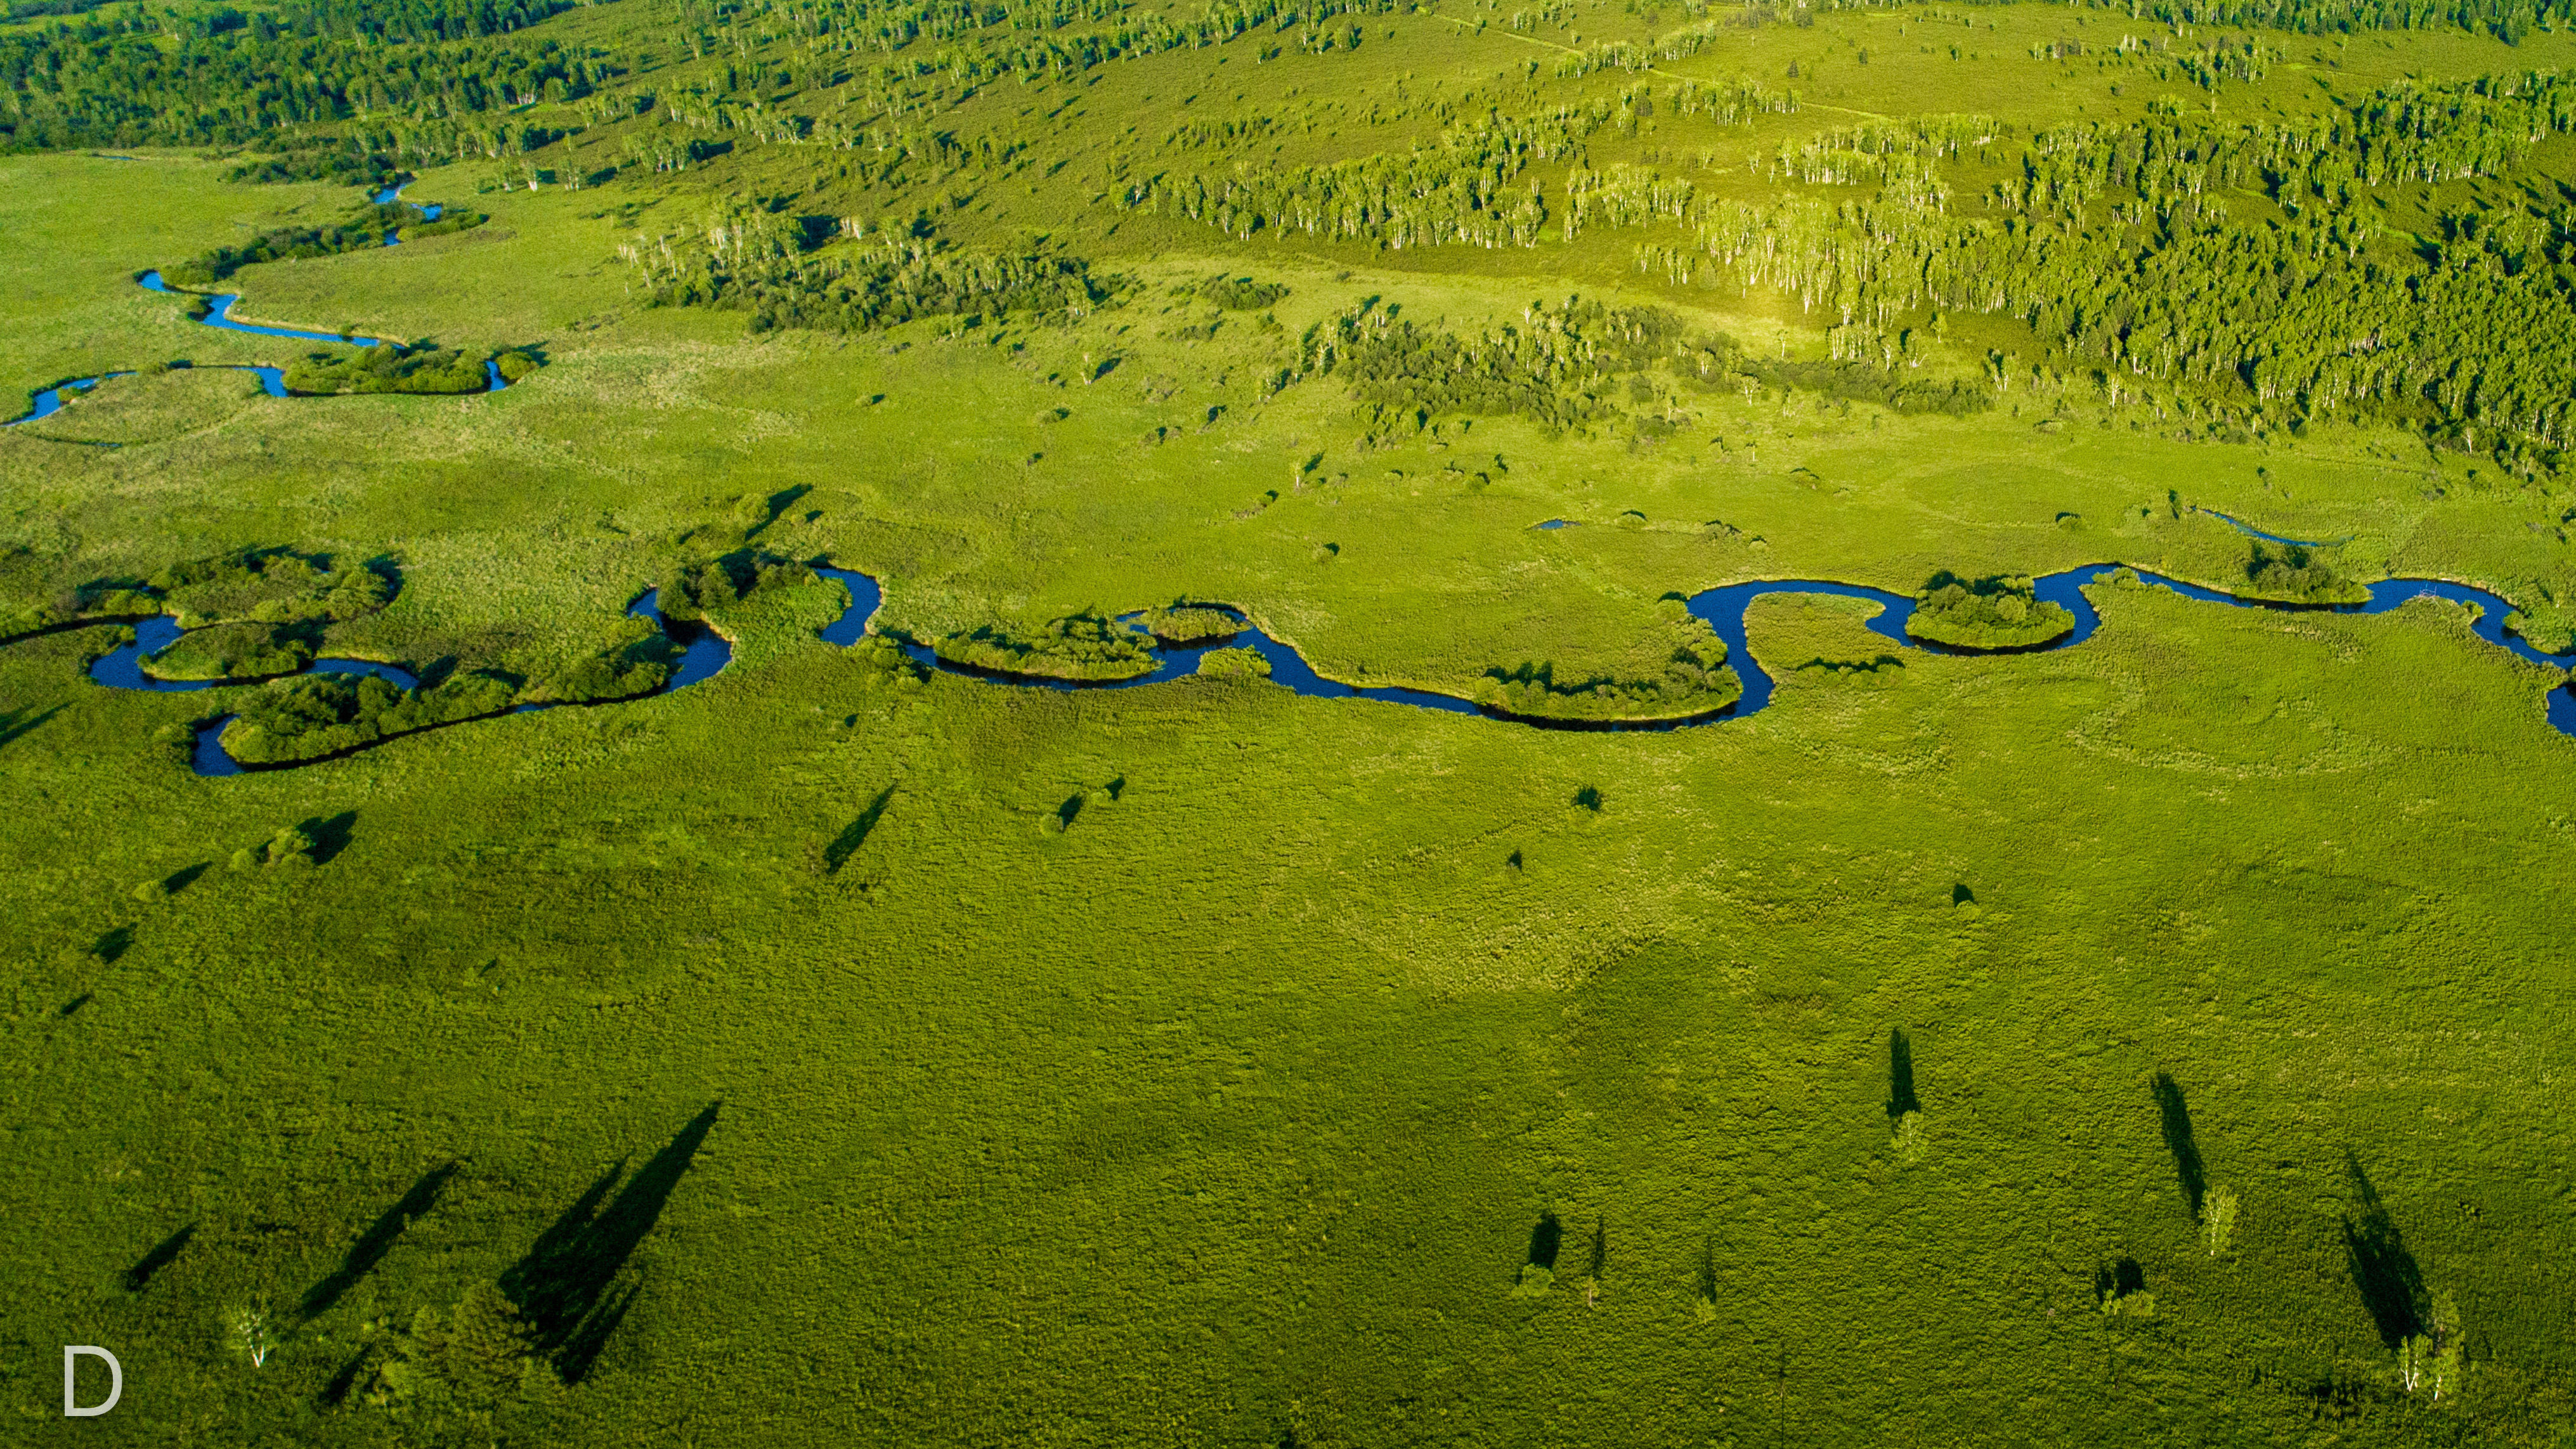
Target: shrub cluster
[315, 715]
[1084, 646]
[393, 367]
[1185, 625]
[2001, 611]
[2300, 575]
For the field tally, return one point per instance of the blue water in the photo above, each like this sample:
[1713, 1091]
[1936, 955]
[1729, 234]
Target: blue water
[392, 194]
[123, 669]
[1555, 523]
[219, 306]
[51, 400]
[704, 652]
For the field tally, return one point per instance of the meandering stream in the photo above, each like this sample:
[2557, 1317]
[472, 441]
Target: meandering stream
[705, 653]
[218, 315]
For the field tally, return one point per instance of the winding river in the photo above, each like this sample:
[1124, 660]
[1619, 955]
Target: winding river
[705, 653]
[218, 315]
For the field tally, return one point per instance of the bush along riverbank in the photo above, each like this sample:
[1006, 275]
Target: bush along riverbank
[2295, 573]
[1695, 682]
[1085, 647]
[2001, 611]
[394, 367]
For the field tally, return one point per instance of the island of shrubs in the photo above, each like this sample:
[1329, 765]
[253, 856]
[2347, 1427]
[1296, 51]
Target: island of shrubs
[2297, 574]
[689, 590]
[393, 367]
[1085, 646]
[1695, 681]
[1188, 625]
[2000, 611]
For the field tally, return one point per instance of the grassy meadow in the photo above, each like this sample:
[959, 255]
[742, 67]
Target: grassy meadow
[2143, 1041]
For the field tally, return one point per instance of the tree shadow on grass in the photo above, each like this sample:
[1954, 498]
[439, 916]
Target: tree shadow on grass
[2178, 1141]
[2383, 1271]
[377, 1240]
[567, 1287]
[329, 836]
[1900, 1075]
[163, 1254]
[1546, 1240]
[16, 722]
[112, 944]
[847, 843]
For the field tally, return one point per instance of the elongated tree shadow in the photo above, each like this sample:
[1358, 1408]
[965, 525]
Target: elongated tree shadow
[2383, 1271]
[377, 1240]
[1600, 1250]
[2178, 1141]
[113, 944]
[1900, 1075]
[16, 722]
[567, 1287]
[847, 843]
[163, 1254]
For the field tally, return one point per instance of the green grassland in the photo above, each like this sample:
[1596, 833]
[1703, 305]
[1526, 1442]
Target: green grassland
[2138, 1041]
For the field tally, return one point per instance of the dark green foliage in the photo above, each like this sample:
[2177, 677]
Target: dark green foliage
[2000, 611]
[1079, 646]
[1552, 368]
[637, 659]
[1241, 294]
[690, 590]
[365, 228]
[224, 77]
[321, 158]
[452, 219]
[386, 367]
[458, 1362]
[2300, 575]
[760, 268]
[271, 586]
[2118, 246]
[325, 714]
[1695, 681]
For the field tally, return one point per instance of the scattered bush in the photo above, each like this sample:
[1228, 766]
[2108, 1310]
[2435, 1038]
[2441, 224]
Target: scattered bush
[1695, 681]
[2218, 1221]
[1997, 612]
